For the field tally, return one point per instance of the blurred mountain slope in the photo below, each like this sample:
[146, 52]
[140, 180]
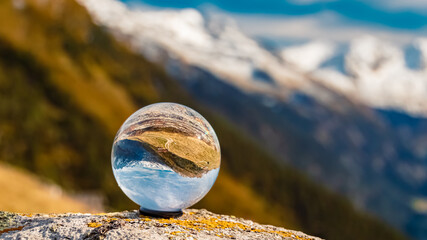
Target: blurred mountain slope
[26, 193]
[65, 88]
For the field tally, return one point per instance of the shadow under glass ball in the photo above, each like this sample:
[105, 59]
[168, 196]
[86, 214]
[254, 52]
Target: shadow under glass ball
[165, 157]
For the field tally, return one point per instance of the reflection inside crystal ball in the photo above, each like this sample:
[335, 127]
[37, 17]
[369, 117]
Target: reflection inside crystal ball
[165, 157]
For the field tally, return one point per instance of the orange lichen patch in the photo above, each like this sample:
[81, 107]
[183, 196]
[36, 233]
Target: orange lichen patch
[289, 234]
[27, 214]
[176, 233]
[111, 219]
[221, 235]
[213, 223]
[94, 224]
[11, 229]
[281, 233]
[147, 219]
[204, 223]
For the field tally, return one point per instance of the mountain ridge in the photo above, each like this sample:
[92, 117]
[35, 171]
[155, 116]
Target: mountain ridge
[367, 77]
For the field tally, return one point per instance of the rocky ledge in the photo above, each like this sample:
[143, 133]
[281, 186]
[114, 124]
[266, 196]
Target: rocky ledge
[193, 224]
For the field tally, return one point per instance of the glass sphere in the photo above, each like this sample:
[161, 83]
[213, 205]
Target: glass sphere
[165, 157]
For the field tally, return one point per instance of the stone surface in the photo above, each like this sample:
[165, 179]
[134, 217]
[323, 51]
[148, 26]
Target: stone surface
[194, 224]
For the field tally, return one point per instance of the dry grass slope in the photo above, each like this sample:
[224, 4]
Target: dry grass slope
[25, 193]
[188, 147]
[187, 155]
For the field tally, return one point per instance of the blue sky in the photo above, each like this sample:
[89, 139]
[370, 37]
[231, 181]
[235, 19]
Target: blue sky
[398, 20]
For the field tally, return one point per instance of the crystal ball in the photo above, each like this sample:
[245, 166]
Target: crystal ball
[165, 157]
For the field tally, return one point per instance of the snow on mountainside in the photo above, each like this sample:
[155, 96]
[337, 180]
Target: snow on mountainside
[375, 73]
[382, 78]
[308, 57]
[184, 34]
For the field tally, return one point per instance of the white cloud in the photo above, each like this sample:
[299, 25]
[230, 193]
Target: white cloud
[325, 26]
[415, 5]
[307, 2]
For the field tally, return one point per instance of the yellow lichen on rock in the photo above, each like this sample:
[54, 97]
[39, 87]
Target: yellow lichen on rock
[94, 224]
[217, 223]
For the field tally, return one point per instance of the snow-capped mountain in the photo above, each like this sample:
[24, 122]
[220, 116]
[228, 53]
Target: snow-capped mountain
[185, 35]
[375, 73]
[349, 114]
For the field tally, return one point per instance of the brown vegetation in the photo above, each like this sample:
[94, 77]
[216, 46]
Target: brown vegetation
[23, 192]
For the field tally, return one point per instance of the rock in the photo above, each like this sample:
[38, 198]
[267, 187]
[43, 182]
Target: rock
[193, 224]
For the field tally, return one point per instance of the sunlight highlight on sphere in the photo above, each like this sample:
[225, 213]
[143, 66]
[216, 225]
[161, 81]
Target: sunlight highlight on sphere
[165, 157]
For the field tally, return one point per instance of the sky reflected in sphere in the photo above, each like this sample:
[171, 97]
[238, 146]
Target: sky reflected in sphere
[166, 157]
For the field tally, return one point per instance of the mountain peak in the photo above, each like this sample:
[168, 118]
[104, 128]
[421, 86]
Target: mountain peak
[370, 56]
[373, 72]
[309, 56]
